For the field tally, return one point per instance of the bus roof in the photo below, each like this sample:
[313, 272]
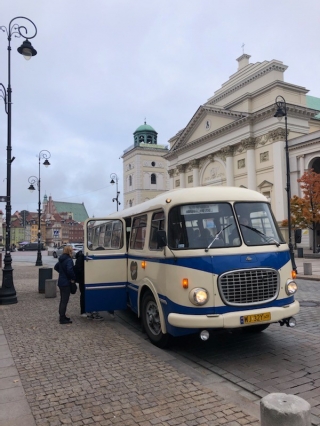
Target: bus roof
[192, 195]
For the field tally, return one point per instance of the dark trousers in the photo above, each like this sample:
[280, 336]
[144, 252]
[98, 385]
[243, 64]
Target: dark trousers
[64, 299]
[82, 301]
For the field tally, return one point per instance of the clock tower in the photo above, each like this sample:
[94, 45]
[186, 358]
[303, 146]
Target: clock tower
[144, 168]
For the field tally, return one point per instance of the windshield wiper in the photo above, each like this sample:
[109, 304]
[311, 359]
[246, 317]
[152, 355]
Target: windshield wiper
[217, 236]
[267, 239]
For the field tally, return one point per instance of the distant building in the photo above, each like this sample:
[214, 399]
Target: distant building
[63, 222]
[60, 223]
[75, 211]
[1, 229]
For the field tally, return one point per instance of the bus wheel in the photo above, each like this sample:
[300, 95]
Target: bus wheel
[255, 328]
[151, 321]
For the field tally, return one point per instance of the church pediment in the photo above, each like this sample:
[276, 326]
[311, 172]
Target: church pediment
[205, 122]
[265, 184]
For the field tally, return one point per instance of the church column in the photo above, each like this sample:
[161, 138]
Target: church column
[228, 152]
[249, 144]
[301, 172]
[181, 168]
[171, 176]
[301, 165]
[195, 170]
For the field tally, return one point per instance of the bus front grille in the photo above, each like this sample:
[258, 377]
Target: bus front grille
[249, 286]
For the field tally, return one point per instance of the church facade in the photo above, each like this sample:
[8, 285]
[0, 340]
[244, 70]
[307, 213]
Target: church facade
[234, 139]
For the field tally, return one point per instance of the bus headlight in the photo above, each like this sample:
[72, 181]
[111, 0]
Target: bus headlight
[291, 287]
[198, 296]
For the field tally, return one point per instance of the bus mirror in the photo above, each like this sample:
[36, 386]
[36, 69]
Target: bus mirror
[161, 239]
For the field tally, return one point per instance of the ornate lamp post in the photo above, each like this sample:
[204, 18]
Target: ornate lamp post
[7, 292]
[282, 112]
[114, 180]
[44, 154]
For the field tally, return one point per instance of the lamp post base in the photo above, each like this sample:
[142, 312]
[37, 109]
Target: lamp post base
[8, 295]
[39, 259]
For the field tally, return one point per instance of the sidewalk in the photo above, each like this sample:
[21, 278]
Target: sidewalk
[100, 373]
[315, 266]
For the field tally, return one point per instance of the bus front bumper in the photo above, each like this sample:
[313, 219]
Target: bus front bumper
[233, 319]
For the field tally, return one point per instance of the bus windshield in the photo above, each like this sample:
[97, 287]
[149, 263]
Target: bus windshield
[214, 225]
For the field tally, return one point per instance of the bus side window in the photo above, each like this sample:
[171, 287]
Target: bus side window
[117, 240]
[138, 232]
[157, 224]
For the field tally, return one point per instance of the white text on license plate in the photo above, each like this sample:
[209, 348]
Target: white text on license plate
[250, 319]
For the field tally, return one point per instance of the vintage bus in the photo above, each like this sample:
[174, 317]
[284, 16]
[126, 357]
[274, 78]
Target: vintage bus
[192, 260]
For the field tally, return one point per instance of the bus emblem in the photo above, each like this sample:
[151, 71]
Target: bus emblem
[134, 270]
[248, 259]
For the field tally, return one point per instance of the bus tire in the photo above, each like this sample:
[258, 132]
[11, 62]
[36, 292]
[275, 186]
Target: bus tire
[151, 321]
[255, 328]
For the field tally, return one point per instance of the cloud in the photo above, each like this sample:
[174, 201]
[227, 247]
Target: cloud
[103, 67]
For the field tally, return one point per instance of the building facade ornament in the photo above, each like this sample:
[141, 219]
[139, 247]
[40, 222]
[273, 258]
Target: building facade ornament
[249, 143]
[278, 134]
[181, 168]
[228, 151]
[220, 154]
[194, 163]
[171, 173]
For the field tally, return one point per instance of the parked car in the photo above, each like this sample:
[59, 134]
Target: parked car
[31, 246]
[76, 247]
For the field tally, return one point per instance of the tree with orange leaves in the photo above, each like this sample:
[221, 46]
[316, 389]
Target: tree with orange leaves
[306, 211]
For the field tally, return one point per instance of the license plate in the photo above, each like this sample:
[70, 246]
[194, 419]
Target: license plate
[250, 319]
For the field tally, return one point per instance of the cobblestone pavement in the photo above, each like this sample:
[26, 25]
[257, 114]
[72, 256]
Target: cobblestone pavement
[280, 359]
[97, 373]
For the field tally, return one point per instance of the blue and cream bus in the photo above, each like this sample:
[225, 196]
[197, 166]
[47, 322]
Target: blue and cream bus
[192, 260]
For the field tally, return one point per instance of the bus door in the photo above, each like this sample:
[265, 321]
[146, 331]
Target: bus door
[105, 265]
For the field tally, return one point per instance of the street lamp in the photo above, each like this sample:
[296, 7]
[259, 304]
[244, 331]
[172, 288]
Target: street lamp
[114, 180]
[44, 154]
[282, 112]
[7, 292]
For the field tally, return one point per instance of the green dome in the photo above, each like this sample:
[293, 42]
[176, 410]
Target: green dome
[145, 128]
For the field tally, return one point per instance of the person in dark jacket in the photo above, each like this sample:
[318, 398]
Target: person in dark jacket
[66, 275]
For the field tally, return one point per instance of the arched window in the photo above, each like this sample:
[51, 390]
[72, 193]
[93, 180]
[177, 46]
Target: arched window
[130, 180]
[315, 165]
[153, 179]
[149, 139]
[141, 138]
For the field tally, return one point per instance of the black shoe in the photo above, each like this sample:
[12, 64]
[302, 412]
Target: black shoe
[65, 321]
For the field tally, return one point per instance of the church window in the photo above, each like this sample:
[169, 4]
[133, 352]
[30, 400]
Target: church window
[153, 179]
[130, 180]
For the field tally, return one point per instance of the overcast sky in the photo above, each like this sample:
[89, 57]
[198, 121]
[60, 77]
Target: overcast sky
[104, 66]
